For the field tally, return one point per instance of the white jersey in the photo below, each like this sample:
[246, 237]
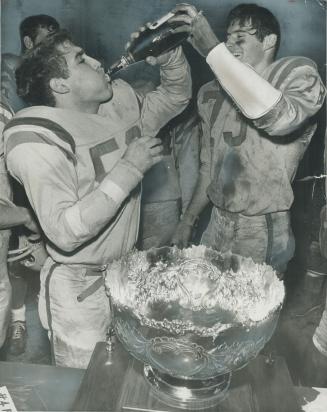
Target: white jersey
[85, 195]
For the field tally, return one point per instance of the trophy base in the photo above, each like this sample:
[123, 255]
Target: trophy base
[187, 394]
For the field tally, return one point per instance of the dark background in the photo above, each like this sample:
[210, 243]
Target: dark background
[103, 27]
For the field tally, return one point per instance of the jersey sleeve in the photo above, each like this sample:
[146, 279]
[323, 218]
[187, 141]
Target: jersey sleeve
[303, 94]
[5, 116]
[170, 98]
[50, 182]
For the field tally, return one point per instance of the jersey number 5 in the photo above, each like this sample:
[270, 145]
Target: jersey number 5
[98, 151]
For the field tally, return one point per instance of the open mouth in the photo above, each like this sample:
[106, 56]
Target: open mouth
[235, 53]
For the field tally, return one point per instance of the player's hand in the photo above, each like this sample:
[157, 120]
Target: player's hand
[201, 35]
[182, 235]
[31, 224]
[159, 60]
[144, 152]
[153, 61]
[154, 255]
[314, 366]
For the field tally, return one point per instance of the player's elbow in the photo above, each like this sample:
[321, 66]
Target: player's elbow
[65, 243]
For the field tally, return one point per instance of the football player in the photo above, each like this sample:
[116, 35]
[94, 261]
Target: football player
[81, 154]
[10, 216]
[257, 121]
[33, 29]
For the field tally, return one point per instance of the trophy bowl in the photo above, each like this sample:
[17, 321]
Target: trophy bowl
[192, 316]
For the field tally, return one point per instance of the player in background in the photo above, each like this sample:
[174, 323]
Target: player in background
[257, 121]
[168, 186]
[32, 30]
[10, 216]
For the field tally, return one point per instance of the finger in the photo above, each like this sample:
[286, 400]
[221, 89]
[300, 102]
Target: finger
[151, 60]
[156, 151]
[148, 141]
[157, 159]
[181, 7]
[154, 141]
[185, 8]
[128, 45]
[181, 18]
[142, 28]
[134, 35]
[182, 29]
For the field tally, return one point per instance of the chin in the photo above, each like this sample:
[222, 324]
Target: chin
[107, 96]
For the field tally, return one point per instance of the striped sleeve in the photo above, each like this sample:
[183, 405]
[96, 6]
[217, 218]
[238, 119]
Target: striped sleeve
[5, 115]
[26, 129]
[303, 94]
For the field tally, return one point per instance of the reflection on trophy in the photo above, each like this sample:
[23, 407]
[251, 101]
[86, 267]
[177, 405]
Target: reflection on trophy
[192, 316]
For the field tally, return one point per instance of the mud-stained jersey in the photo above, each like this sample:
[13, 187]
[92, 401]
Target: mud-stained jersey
[85, 195]
[246, 157]
[5, 115]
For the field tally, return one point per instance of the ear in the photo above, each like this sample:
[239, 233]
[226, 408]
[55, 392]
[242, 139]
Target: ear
[59, 86]
[269, 41]
[28, 42]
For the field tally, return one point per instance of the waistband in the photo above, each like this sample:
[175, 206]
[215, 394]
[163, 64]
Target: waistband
[237, 215]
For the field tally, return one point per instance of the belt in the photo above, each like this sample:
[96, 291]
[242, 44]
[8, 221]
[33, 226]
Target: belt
[100, 271]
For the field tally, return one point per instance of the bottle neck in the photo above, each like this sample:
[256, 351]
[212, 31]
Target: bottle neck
[120, 64]
[127, 59]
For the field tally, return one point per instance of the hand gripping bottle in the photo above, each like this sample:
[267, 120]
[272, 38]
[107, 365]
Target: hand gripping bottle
[156, 39]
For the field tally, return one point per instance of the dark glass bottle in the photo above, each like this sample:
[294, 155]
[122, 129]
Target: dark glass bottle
[156, 39]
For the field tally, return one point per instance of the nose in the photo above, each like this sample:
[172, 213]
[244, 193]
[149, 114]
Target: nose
[95, 64]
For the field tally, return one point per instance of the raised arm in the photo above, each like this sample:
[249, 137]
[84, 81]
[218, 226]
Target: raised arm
[171, 97]
[278, 108]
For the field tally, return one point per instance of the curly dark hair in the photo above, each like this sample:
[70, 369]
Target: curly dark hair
[39, 65]
[31, 24]
[261, 19]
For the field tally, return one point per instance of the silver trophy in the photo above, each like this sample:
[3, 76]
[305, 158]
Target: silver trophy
[192, 316]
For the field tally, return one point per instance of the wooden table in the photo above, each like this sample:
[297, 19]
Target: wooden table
[114, 382]
[40, 387]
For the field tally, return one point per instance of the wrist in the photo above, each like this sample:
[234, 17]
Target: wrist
[189, 219]
[214, 43]
[205, 37]
[27, 217]
[137, 169]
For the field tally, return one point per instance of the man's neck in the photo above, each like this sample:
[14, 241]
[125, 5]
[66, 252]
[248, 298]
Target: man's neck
[263, 64]
[83, 107]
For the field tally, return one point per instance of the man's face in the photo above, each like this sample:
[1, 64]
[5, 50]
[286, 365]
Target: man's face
[87, 81]
[244, 44]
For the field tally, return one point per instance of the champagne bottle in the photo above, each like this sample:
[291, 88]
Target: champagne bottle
[156, 39]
